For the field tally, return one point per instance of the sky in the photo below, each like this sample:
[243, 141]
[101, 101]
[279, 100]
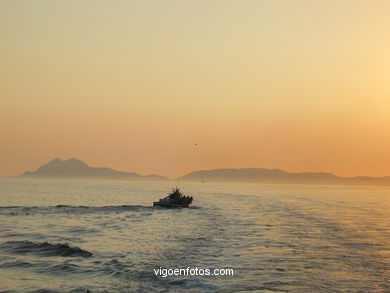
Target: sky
[173, 86]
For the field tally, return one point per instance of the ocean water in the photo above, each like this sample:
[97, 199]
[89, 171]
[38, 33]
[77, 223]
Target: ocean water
[104, 236]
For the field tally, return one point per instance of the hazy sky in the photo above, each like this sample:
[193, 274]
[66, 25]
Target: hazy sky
[134, 85]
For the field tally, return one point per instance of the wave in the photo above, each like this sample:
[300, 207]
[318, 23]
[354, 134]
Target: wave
[69, 209]
[126, 207]
[45, 249]
[26, 210]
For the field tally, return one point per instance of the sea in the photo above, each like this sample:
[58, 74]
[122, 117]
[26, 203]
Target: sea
[69, 235]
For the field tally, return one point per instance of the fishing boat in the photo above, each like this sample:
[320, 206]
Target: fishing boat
[175, 199]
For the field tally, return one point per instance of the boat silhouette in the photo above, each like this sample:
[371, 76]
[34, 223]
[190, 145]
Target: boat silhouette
[175, 199]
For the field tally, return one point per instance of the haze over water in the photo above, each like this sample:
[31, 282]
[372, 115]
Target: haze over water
[170, 87]
[279, 238]
[136, 84]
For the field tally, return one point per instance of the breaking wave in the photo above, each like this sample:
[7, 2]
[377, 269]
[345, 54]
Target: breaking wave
[44, 249]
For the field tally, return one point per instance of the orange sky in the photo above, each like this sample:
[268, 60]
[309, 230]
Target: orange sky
[134, 85]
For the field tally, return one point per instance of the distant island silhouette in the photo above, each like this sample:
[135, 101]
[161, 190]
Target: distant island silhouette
[77, 168]
[261, 175]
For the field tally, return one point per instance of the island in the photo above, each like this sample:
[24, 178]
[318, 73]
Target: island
[262, 175]
[77, 168]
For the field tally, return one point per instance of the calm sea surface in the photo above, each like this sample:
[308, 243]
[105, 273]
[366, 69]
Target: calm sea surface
[104, 236]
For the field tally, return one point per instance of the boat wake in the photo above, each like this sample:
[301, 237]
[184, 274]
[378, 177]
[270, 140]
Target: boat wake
[27, 210]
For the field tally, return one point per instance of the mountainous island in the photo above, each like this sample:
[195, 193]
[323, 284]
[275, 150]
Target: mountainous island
[77, 168]
[262, 175]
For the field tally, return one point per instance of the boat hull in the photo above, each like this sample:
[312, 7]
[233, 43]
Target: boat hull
[168, 205]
